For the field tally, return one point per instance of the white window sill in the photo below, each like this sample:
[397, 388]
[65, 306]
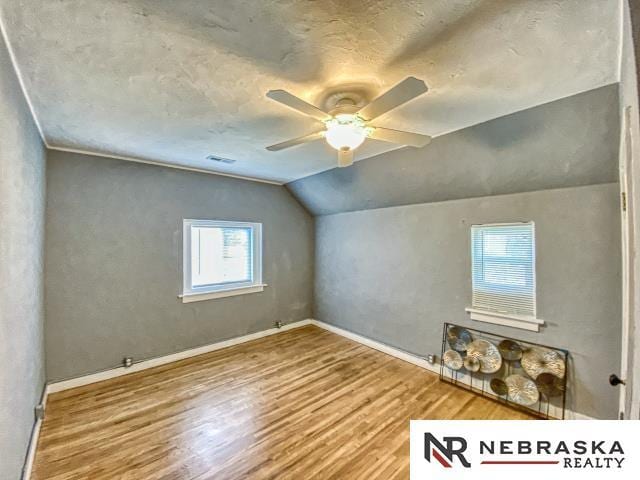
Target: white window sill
[230, 292]
[516, 321]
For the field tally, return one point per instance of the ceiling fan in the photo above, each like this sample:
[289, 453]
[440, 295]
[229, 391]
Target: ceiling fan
[347, 125]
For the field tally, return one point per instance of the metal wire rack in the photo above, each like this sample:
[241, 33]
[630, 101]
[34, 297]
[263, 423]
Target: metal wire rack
[527, 376]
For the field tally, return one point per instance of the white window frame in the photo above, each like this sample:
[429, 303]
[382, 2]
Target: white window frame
[525, 322]
[208, 292]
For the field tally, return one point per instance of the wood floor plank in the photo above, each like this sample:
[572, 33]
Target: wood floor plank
[305, 403]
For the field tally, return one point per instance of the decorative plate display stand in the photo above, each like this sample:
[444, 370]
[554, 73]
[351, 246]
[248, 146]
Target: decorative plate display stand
[526, 376]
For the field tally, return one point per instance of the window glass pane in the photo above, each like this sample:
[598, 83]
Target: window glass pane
[221, 255]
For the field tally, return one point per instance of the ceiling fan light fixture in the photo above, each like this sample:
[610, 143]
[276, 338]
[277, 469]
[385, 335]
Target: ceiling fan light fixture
[346, 125]
[346, 131]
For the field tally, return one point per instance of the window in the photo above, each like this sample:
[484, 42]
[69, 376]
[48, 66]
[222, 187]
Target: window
[504, 275]
[221, 259]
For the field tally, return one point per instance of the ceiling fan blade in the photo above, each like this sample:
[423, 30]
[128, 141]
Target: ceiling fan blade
[298, 104]
[345, 157]
[297, 141]
[400, 137]
[406, 90]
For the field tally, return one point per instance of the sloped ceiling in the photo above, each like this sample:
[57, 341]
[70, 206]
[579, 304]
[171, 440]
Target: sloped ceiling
[175, 81]
[566, 143]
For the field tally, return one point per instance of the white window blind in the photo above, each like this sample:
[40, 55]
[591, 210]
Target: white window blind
[221, 256]
[503, 268]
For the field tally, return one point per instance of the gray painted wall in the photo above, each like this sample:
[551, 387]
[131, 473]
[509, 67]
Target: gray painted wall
[569, 142]
[114, 261]
[396, 274]
[22, 193]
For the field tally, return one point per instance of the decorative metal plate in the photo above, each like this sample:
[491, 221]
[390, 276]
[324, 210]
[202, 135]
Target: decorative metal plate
[549, 385]
[499, 387]
[458, 338]
[472, 364]
[452, 359]
[539, 360]
[487, 354]
[522, 390]
[510, 350]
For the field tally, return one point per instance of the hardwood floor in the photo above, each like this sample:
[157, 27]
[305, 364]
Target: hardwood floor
[301, 404]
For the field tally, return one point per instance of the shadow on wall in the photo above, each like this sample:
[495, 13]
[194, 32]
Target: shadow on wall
[500, 136]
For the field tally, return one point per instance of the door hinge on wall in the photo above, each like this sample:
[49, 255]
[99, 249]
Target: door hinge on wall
[624, 201]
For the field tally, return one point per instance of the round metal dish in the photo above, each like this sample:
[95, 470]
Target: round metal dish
[458, 338]
[452, 360]
[549, 385]
[487, 354]
[539, 360]
[472, 364]
[522, 390]
[498, 386]
[510, 350]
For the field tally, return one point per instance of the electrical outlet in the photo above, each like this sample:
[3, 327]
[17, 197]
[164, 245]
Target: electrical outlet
[431, 358]
[127, 362]
[39, 411]
[279, 324]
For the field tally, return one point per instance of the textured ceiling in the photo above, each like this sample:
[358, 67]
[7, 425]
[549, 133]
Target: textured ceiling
[174, 81]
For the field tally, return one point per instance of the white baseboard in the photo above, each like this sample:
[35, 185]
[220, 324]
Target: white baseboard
[31, 453]
[118, 372]
[571, 415]
[174, 357]
[394, 352]
[416, 360]
[381, 347]
[33, 442]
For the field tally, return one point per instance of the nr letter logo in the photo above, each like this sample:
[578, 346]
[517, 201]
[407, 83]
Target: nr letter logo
[455, 447]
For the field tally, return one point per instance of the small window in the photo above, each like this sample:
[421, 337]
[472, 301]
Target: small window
[504, 274]
[221, 259]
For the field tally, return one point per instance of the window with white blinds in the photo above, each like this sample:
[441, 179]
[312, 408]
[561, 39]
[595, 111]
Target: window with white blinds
[221, 256]
[503, 269]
